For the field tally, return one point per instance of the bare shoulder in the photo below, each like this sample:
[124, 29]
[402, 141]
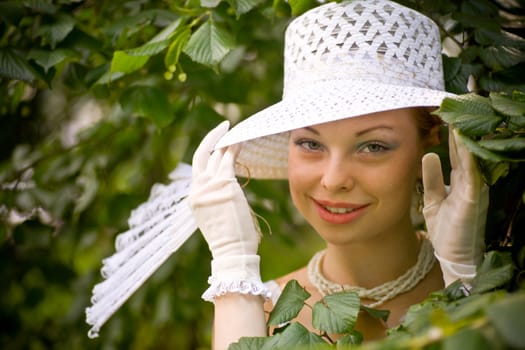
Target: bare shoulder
[300, 275]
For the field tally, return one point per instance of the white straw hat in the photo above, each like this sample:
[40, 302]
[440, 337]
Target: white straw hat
[343, 60]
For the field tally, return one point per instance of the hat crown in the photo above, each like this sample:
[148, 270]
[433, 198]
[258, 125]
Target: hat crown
[373, 40]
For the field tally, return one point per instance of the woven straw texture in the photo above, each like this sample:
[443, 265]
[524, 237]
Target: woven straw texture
[343, 60]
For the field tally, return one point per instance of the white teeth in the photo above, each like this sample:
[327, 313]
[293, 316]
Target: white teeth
[339, 210]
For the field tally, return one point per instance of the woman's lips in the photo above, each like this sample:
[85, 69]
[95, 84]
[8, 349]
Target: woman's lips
[337, 212]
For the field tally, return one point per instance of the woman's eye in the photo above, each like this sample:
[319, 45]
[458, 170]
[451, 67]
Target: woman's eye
[309, 145]
[374, 147]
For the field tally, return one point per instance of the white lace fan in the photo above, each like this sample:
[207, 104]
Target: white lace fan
[157, 228]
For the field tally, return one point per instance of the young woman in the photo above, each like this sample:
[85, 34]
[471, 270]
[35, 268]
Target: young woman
[350, 135]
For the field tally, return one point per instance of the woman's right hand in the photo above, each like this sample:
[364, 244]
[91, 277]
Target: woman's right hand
[225, 219]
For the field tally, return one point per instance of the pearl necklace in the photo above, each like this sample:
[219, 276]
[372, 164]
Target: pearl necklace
[383, 292]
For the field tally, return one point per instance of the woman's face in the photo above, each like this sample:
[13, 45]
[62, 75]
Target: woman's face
[353, 179]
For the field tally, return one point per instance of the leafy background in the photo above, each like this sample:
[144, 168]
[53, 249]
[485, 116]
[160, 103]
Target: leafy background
[99, 100]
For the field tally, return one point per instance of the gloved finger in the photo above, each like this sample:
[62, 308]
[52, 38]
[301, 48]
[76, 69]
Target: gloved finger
[202, 154]
[214, 162]
[433, 184]
[467, 168]
[452, 150]
[227, 166]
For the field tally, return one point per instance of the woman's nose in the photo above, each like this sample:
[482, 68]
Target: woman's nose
[337, 176]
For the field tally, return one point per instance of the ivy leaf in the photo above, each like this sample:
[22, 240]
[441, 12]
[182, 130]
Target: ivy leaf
[297, 336]
[209, 44]
[508, 317]
[289, 304]
[471, 113]
[336, 313]
[150, 102]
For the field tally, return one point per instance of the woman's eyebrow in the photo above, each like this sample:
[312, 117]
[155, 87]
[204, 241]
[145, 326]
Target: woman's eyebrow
[367, 130]
[309, 128]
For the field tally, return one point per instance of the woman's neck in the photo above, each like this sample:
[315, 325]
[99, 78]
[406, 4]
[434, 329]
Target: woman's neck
[372, 262]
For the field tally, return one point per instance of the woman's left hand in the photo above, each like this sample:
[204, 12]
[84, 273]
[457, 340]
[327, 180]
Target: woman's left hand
[456, 218]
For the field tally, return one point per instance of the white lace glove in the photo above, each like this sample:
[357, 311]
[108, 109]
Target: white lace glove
[456, 219]
[225, 219]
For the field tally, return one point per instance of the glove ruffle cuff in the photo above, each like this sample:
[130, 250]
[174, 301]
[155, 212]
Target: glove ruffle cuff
[235, 274]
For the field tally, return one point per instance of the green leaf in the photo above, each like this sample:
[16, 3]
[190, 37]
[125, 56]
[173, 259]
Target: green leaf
[451, 66]
[515, 144]
[48, 59]
[210, 3]
[497, 57]
[11, 11]
[492, 279]
[471, 114]
[89, 183]
[41, 6]
[481, 152]
[209, 44]
[132, 24]
[149, 49]
[336, 313]
[376, 313]
[150, 102]
[486, 37]
[472, 306]
[13, 66]
[494, 259]
[243, 6]
[255, 343]
[454, 291]
[297, 336]
[301, 6]
[347, 340]
[508, 106]
[167, 32]
[289, 304]
[466, 339]
[508, 317]
[180, 40]
[56, 32]
[493, 171]
[124, 63]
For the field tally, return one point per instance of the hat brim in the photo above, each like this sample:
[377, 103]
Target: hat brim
[264, 135]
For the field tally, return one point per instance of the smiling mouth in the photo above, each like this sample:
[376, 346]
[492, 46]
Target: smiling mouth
[339, 210]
